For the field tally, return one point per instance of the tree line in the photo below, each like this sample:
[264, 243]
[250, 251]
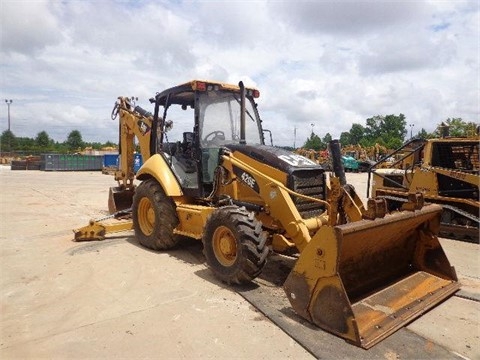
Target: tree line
[43, 143]
[389, 131]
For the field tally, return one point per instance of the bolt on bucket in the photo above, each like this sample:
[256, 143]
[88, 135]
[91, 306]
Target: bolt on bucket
[364, 280]
[119, 199]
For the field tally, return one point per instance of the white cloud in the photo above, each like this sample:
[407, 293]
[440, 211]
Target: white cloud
[330, 63]
[391, 53]
[28, 26]
[348, 17]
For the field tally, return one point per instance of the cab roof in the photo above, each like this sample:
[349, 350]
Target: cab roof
[184, 94]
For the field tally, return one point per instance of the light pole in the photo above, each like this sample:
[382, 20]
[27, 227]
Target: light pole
[411, 129]
[8, 102]
[294, 136]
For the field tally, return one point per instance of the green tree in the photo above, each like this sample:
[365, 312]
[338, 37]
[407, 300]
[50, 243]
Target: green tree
[327, 138]
[25, 144]
[373, 128]
[345, 138]
[394, 130]
[8, 141]
[43, 141]
[457, 127]
[313, 143]
[74, 140]
[60, 147]
[109, 144]
[423, 134]
[389, 130]
[96, 145]
[357, 133]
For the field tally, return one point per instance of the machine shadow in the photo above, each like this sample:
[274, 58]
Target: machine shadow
[190, 251]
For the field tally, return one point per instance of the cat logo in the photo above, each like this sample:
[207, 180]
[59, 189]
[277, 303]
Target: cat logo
[144, 128]
[297, 160]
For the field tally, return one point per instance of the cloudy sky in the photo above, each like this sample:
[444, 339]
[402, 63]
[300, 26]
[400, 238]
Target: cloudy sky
[327, 63]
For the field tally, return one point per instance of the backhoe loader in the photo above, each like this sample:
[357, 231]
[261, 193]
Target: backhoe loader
[361, 273]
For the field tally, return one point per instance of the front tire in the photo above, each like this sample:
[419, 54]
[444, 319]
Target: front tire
[234, 245]
[154, 216]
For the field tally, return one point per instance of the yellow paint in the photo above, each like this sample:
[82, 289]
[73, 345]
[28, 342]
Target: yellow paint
[158, 168]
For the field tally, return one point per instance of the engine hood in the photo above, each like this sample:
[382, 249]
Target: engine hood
[278, 158]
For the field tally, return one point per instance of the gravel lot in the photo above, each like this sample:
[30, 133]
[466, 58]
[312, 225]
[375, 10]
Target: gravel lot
[115, 299]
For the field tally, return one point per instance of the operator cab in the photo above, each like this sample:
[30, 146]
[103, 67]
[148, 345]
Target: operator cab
[194, 153]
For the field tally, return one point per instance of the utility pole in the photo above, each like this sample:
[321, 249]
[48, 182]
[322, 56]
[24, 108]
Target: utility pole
[294, 136]
[8, 102]
[312, 128]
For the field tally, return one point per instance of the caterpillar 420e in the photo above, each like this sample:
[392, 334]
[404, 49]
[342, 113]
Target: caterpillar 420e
[360, 273]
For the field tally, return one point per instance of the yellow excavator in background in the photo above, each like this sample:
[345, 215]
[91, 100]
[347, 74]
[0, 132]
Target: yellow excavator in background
[445, 170]
[361, 273]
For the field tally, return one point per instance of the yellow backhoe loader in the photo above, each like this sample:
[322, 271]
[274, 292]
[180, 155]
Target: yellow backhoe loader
[361, 273]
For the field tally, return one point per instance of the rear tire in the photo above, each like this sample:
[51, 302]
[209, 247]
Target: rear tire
[234, 245]
[154, 216]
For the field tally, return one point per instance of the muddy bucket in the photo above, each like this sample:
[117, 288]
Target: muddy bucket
[364, 280]
[119, 199]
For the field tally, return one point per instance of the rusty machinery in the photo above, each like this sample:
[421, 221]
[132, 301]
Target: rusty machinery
[445, 170]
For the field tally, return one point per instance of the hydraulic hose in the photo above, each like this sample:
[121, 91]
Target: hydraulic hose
[335, 153]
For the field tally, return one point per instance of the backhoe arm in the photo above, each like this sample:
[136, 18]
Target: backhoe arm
[133, 122]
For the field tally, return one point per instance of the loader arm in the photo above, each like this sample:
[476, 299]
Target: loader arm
[343, 204]
[279, 204]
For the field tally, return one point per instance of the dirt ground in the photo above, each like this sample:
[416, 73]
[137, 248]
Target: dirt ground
[116, 299]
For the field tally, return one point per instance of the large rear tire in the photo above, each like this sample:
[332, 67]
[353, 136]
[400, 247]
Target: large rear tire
[234, 245]
[154, 216]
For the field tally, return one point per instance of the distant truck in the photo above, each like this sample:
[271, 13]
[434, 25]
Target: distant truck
[350, 163]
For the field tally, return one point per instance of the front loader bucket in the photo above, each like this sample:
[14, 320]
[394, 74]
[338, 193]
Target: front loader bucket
[119, 199]
[364, 280]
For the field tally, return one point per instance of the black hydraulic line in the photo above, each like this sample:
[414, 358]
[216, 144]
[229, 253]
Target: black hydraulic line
[154, 132]
[248, 206]
[335, 153]
[368, 182]
[143, 112]
[242, 112]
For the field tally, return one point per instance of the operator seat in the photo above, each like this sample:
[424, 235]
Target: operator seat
[187, 143]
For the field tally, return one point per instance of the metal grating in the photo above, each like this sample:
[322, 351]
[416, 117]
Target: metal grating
[310, 183]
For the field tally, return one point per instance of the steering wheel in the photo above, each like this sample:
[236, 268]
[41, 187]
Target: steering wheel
[215, 136]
